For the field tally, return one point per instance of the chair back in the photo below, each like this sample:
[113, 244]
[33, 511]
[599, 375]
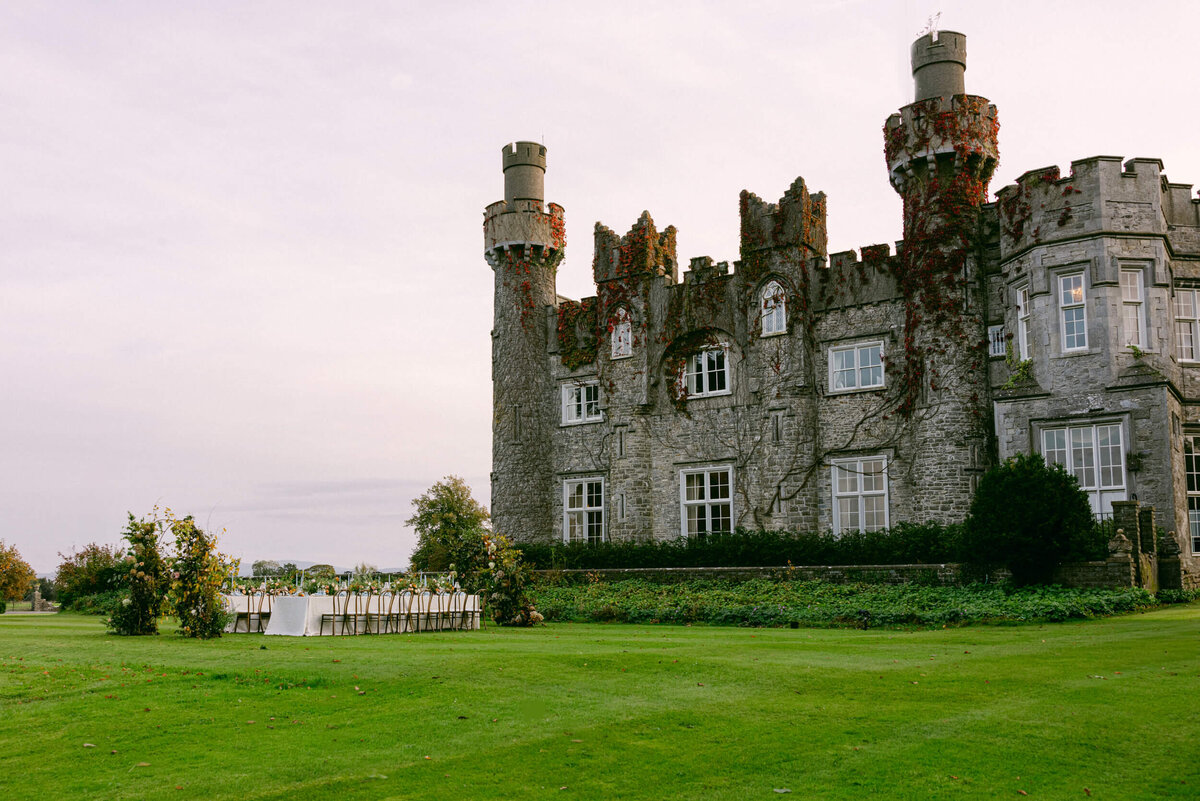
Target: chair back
[404, 606]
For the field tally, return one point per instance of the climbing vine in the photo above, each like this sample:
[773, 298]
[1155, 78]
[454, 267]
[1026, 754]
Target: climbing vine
[578, 342]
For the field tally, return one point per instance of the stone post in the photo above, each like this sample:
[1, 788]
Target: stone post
[1149, 533]
[1125, 517]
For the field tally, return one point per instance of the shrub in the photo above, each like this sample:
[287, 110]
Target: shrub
[198, 573]
[138, 610]
[1029, 517]
[452, 536]
[906, 543]
[96, 569]
[100, 603]
[763, 602]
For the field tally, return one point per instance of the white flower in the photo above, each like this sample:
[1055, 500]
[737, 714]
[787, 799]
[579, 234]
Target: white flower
[126, 602]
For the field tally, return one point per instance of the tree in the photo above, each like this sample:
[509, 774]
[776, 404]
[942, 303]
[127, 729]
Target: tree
[1029, 517]
[446, 519]
[198, 573]
[266, 567]
[16, 575]
[140, 606]
[91, 571]
[452, 535]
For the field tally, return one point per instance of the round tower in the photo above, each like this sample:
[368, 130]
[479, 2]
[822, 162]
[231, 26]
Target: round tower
[939, 61]
[941, 151]
[523, 244]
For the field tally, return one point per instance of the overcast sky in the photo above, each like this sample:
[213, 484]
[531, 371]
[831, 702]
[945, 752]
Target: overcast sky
[241, 267]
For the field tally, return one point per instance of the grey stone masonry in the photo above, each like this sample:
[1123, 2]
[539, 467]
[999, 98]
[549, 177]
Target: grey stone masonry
[795, 388]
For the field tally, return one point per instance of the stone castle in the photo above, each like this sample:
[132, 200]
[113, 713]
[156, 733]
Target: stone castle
[799, 389]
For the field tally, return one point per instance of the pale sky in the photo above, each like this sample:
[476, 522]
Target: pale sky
[241, 268]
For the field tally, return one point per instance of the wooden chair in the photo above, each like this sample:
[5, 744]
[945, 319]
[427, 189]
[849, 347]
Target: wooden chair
[235, 608]
[340, 600]
[254, 611]
[425, 603]
[356, 612]
[383, 612]
[404, 611]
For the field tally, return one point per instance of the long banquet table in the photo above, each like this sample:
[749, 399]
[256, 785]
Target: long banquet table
[301, 615]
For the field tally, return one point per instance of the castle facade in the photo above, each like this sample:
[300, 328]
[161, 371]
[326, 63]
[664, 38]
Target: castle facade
[798, 389]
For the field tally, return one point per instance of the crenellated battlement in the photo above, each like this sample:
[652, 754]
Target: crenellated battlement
[524, 222]
[644, 251]
[797, 220]
[1100, 194]
[959, 132]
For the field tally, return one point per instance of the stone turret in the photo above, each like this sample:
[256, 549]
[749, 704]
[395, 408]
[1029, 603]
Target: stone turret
[524, 244]
[941, 151]
[939, 60]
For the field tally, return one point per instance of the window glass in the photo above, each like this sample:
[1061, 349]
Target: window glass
[860, 489]
[707, 501]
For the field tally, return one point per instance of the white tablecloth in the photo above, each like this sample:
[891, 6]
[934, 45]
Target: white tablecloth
[300, 615]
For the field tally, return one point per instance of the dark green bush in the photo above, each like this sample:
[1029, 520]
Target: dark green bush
[100, 603]
[1030, 517]
[906, 543]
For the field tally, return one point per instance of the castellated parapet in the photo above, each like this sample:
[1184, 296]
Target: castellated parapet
[794, 388]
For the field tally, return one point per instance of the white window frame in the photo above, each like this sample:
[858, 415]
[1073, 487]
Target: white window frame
[857, 370]
[1133, 317]
[622, 335]
[581, 403]
[705, 370]
[1191, 471]
[583, 511]
[1187, 325]
[1073, 305]
[772, 309]
[860, 488]
[706, 507]
[996, 343]
[1023, 323]
[1097, 464]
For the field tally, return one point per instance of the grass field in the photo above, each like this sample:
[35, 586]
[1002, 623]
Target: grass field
[1109, 708]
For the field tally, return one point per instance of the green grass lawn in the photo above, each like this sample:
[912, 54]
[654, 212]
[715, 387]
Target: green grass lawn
[1110, 707]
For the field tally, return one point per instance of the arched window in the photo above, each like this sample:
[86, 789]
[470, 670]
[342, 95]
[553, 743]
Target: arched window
[622, 334]
[773, 308]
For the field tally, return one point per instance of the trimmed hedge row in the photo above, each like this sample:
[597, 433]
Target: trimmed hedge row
[762, 602]
[906, 543]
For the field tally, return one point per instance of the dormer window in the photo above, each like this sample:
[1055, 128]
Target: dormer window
[622, 334]
[773, 309]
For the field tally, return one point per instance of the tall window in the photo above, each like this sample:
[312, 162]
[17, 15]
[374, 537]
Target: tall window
[707, 373]
[706, 501]
[1073, 311]
[622, 334]
[1094, 454]
[583, 510]
[1187, 325]
[996, 341]
[1023, 323]
[860, 494]
[581, 403]
[1191, 466]
[1132, 320]
[773, 309]
[856, 367]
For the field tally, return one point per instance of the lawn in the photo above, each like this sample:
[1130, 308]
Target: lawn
[1108, 707]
